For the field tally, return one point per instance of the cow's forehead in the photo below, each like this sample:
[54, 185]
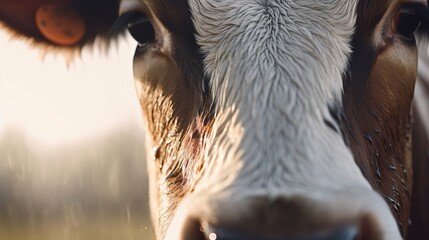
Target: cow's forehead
[292, 35]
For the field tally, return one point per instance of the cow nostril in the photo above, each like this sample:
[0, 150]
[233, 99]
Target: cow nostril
[343, 233]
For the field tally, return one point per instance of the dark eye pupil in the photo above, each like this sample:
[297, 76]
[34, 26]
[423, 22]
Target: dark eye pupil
[408, 22]
[141, 28]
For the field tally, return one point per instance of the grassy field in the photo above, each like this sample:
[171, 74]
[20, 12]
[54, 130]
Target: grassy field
[90, 190]
[91, 229]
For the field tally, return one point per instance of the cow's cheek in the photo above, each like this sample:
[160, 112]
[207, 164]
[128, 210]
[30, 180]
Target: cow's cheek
[399, 66]
[394, 91]
[150, 72]
[392, 81]
[168, 105]
[386, 106]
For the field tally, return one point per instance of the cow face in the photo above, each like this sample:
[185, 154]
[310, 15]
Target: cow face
[271, 119]
[277, 104]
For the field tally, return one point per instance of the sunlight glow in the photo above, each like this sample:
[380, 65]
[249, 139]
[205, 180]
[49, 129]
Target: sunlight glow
[54, 103]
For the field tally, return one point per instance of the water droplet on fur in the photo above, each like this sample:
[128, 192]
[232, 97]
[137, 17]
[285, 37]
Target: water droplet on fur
[369, 138]
[395, 204]
[395, 191]
[397, 207]
[377, 169]
[378, 173]
[392, 167]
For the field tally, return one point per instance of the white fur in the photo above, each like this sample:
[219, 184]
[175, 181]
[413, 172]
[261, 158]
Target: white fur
[276, 67]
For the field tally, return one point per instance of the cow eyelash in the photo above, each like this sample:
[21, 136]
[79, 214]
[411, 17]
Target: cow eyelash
[409, 19]
[137, 24]
[121, 24]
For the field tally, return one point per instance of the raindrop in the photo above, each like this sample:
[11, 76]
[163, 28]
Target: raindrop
[396, 192]
[397, 207]
[378, 173]
[377, 170]
[392, 167]
[369, 137]
[395, 204]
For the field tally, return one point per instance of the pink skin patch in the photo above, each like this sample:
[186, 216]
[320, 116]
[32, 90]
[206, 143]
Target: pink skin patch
[60, 24]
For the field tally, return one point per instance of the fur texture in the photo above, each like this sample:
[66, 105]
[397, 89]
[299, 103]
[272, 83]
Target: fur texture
[272, 91]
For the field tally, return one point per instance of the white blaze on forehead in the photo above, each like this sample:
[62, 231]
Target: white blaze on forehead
[275, 67]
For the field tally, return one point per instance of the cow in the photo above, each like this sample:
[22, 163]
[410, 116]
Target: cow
[267, 119]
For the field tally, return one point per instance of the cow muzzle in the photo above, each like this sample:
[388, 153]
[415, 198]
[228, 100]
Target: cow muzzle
[359, 214]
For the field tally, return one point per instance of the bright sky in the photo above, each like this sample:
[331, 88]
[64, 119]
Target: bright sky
[54, 104]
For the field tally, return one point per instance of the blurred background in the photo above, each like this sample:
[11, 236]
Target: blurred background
[72, 162]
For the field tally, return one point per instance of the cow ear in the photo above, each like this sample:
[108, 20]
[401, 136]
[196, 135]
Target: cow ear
[63, 23]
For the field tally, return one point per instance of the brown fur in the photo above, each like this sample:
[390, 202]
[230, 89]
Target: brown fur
[377, 98]
[377, 101]
[176, 109]
[420, 204]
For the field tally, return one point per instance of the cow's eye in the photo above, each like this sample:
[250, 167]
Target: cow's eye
[407, 22]
[141, 28]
